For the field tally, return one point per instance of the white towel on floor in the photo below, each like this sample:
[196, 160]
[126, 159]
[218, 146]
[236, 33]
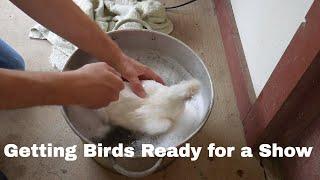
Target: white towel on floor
[107, 14]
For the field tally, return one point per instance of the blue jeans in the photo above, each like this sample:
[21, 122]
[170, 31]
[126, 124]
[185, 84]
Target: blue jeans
[9, 58]
[2, 176]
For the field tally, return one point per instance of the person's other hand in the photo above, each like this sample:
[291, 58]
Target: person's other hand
[133, 72]
[96, 85]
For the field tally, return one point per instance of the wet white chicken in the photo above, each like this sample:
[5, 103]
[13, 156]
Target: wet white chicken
[154, 114]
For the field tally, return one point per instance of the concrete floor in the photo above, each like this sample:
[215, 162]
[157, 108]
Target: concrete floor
[197, 26]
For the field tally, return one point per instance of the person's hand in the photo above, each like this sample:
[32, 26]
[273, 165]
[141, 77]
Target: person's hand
[96, 85]
[133, 72]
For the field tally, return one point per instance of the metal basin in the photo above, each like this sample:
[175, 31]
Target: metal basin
[173, 61]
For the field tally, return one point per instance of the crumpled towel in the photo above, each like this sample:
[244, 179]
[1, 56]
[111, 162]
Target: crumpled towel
[107, 14]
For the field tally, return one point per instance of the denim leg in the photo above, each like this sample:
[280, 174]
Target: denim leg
[2, 176]
[9, 58]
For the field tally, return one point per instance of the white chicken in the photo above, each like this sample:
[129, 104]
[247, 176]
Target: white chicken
[154, 114]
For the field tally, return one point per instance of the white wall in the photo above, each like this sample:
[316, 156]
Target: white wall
[266, 28]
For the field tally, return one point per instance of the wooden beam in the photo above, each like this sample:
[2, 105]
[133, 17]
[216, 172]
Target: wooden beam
[241, 80]
[298, 168]
[290, 100]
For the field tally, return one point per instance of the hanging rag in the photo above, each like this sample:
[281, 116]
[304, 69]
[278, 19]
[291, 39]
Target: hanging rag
[108, 14]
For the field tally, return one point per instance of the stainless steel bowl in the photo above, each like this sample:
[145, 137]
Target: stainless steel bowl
[174, 61]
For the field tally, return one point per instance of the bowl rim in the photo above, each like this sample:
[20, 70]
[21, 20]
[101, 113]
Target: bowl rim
[204, 119]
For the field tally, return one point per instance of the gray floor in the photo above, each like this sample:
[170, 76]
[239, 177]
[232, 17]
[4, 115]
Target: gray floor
[195, 25]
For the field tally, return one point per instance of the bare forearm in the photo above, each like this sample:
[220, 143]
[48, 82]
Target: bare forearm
[23, 89]
[66, 19]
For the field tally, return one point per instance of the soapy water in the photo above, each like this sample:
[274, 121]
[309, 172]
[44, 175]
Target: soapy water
[87, 122]
[169, 70]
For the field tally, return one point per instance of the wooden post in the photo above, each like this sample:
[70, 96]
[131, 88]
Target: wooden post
[287, 104]
[288, 109]
[241, 80]
[290, 100]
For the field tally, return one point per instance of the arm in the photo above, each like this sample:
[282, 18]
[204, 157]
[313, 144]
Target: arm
[66, 19]
[94, 85]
